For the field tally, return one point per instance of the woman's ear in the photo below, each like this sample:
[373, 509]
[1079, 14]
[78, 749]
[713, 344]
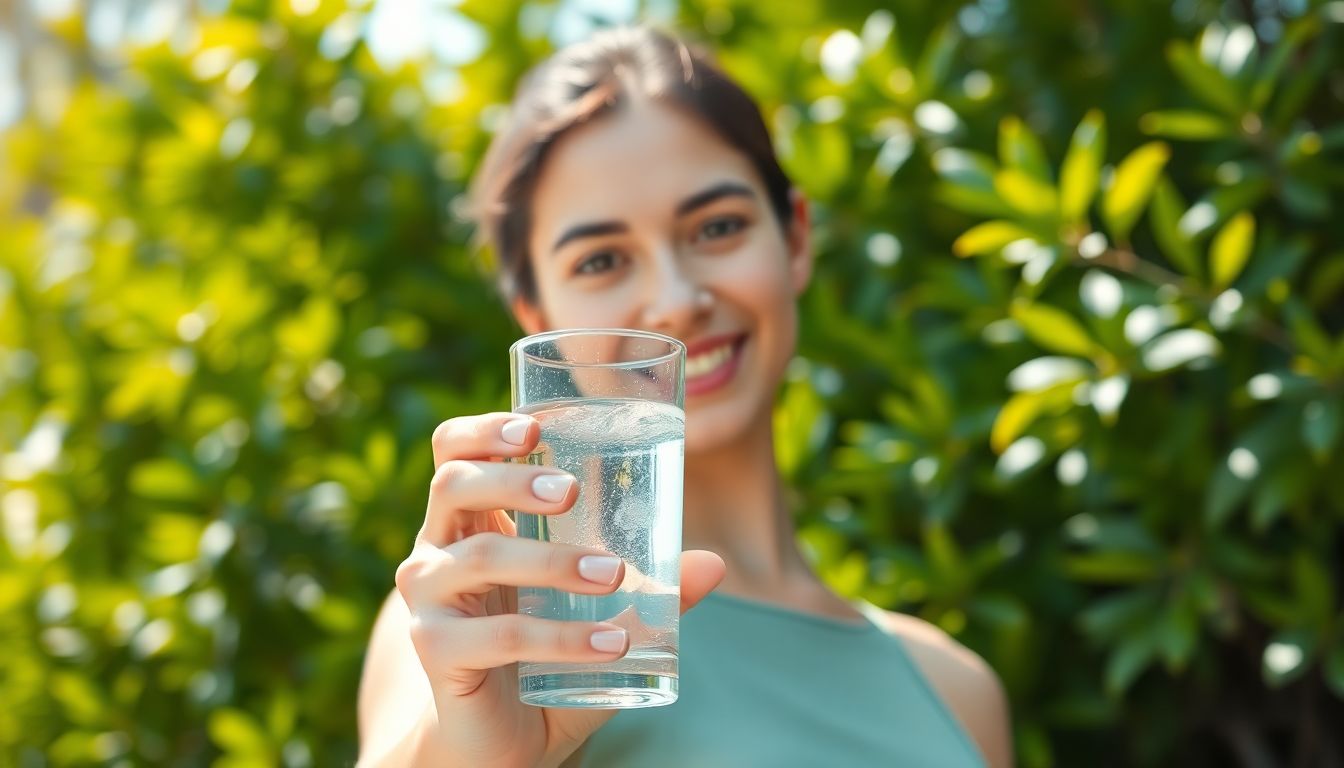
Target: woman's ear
[528, 315]
[799, 243]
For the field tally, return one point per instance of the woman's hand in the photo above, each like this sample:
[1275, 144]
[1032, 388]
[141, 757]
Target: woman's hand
[459, 585]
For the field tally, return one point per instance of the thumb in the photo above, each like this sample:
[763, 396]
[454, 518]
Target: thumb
[701, 572]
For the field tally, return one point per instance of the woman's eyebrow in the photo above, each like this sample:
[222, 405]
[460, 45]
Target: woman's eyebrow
[716, 192]
[590, 229]
[698, 200]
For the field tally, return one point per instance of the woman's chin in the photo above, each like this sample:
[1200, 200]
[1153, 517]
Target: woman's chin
[711, 430]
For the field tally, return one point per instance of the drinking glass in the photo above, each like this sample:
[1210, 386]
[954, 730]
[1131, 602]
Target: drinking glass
[609, 402]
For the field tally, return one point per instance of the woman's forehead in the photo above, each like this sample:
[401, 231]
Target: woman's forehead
[643, 159]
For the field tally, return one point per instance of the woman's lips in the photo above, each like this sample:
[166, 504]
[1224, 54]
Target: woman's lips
[711, 363]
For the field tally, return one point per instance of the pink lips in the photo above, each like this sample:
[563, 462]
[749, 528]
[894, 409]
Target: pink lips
[721, 372]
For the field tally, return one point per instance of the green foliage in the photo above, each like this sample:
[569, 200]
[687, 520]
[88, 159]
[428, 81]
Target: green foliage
[1069, 385]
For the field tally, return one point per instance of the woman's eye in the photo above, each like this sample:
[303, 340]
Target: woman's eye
[721, 227]
[597, 263]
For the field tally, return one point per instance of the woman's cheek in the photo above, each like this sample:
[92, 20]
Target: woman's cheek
[593, 309]
[758, 273]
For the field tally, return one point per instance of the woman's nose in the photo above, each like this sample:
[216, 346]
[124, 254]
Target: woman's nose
[674, 303]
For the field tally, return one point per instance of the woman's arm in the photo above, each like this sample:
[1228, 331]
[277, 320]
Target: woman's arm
[395, 701]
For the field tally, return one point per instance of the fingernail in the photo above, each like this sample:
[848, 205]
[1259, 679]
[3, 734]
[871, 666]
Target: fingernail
[599, 569]
[515, 431]
[608, 640]
[552, 488]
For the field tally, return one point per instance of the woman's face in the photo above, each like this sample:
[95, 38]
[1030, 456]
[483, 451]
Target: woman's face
[645, 218]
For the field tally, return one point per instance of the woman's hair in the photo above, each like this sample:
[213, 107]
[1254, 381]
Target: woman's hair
[582, 82]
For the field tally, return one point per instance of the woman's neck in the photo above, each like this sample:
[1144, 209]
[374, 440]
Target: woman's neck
[734, 506]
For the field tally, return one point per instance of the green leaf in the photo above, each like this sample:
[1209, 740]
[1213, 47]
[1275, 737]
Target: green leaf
[380, 454]
[989, 238]
[1284, 486]
[1053, 329]
[1226, 491]
[821, 158]
[1025, 193]
[847, 575]
[1230, 249]
[282, 714]
[1306, 332]
[965, 167]
[1269, 607]
[1203, 81]
[1176, 635]
[1019, 148]
[1312, 588]
[1179, 347]
[1186, 124]
[164, 479]
[798, 424]
[1002, 612]
[1135, 178]
[1276, 261]
[1222, 204]
[945, 558]
[1034, 744]
[1334, 667]
[1118, 567]
[237, 733]
[977, 202]
[1296, 33]
[1024, 408]
[969, 186]
[1327, 283]
[172, 538]
[1320, 428]
[1081, 171]
[81, 700]
[936, 60]
[1014, 417]
[1306, 199]
[309, 333]
[1130, 658]
[1167, 209]
[1114, 614]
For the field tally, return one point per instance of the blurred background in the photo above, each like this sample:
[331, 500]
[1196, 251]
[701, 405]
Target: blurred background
[1070, 383]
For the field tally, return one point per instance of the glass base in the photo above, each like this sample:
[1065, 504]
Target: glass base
[588, 690]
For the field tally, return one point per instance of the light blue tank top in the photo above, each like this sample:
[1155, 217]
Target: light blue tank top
[762, 685]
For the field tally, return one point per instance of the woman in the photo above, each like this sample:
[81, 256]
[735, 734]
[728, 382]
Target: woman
[636, 186]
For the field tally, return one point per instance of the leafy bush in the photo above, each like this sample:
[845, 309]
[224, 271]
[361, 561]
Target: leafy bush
[1070, 381]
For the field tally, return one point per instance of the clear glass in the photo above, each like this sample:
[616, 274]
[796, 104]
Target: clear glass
[609, 402]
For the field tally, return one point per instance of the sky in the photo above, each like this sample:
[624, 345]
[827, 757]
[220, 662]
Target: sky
[395, 31]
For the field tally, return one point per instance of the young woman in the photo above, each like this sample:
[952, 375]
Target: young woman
[636, 186]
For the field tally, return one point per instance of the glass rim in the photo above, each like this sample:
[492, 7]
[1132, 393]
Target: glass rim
[519, 348]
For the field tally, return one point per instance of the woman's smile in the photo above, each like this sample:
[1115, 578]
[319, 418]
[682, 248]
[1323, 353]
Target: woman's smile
[712, 362]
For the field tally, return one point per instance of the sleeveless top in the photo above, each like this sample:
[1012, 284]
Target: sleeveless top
[764, 685]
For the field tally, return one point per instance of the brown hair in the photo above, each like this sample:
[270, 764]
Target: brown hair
[589, 79]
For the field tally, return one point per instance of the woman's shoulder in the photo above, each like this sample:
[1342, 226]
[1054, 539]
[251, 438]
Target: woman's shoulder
[962, 679]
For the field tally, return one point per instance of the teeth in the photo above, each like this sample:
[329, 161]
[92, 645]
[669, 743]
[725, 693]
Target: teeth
[705, 362]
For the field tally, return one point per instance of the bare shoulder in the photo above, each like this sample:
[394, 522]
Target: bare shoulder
[966, 684]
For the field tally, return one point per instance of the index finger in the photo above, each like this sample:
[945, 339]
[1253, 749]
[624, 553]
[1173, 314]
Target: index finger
[486, 436]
